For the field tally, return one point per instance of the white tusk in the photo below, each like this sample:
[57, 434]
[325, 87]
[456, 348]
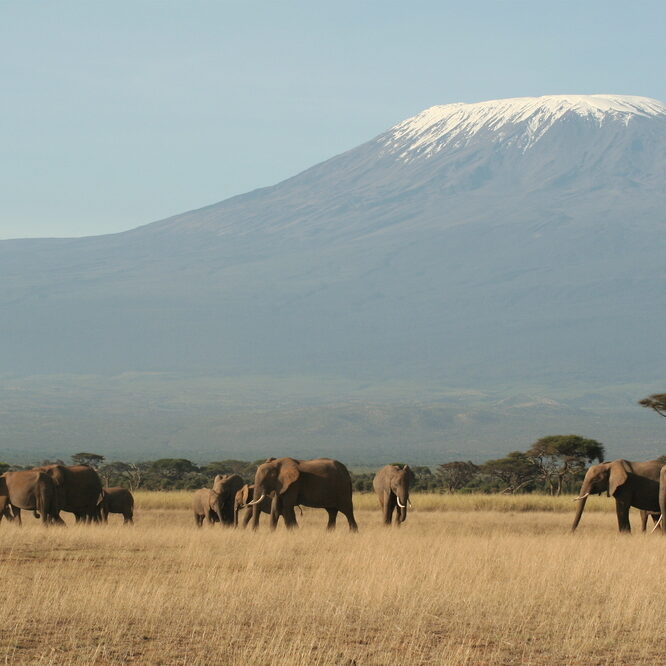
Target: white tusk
[256, 501]
[582, 497]
[409, 502]
[657, 523]
[397, 499]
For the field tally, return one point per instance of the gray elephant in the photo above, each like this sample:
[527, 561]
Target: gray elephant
[391, 483]
[222, 500]
[322, 483]
[629, 483]
[202, 506]
[243, 497]
[117, 500]
[31, 490]
[78, 490]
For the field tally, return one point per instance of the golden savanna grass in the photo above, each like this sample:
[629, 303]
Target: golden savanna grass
[462, 582]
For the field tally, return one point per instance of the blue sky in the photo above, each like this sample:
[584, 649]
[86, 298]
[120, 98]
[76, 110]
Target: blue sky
[116, 114]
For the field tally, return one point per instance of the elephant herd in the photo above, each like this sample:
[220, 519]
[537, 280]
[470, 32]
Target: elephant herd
[282, 484]
[50, 489]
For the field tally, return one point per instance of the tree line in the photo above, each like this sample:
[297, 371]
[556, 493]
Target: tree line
[553, 464]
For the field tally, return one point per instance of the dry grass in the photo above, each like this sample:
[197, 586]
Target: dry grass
[450, 587]
[181, 499]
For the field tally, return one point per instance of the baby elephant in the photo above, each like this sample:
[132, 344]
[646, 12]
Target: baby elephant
[117, 500]
[203, 502]
[245, 495]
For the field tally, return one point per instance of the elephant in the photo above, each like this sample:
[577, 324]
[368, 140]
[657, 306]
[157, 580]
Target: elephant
[202, 506]
[117, 500]
[31, 490]
[630, 483]
[322, 483]
[662, 499]
[391, 483]
[78, 490]
[224, 492]
[245, 495]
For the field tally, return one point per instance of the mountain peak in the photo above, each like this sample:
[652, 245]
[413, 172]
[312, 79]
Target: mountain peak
[522, 120]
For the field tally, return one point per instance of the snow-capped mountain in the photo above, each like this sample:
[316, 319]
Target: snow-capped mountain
[505, 243]
[517, 122]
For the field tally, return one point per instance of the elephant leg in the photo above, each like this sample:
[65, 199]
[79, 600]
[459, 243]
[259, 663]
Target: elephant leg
[198, 519]
[17, 515]
[392, 505]
[387, 510]
[349, 515]
[247, 517]
[332, 515]
[276, 510]
[57, 520]
[622, 511]
[289, 516]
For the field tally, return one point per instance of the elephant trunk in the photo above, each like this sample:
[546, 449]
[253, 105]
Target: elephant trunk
[582, 500]
[402, 507]
[256, 509]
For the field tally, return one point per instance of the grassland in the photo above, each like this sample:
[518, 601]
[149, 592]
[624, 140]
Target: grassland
[467, 580]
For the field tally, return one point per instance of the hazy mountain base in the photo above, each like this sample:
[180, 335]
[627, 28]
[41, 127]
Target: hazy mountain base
[205, 418]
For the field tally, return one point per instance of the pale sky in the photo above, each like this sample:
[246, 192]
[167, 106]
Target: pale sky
[116, 114]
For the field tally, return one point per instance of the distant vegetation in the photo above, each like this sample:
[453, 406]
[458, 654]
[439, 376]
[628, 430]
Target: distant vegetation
[553, 464]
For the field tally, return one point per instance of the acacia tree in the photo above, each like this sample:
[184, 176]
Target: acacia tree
[560, 457]
[124, 474]
[516, 470]
[457, 474]
[656, 401]
[92, 459]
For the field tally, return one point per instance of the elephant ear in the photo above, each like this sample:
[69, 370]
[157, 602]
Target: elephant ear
[287, 475]
[619, 473]
[58, 475]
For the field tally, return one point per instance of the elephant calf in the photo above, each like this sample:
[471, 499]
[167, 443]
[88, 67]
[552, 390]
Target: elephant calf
[203, 502]
[245, 495]
[117, 500]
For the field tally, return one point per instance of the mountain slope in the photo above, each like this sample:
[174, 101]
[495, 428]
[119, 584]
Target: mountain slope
[504, 244]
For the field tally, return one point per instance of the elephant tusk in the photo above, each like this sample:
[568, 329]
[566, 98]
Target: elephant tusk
[409, 503]
[657, 523]
[256, 501]
[582, 497]
[397, 499]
